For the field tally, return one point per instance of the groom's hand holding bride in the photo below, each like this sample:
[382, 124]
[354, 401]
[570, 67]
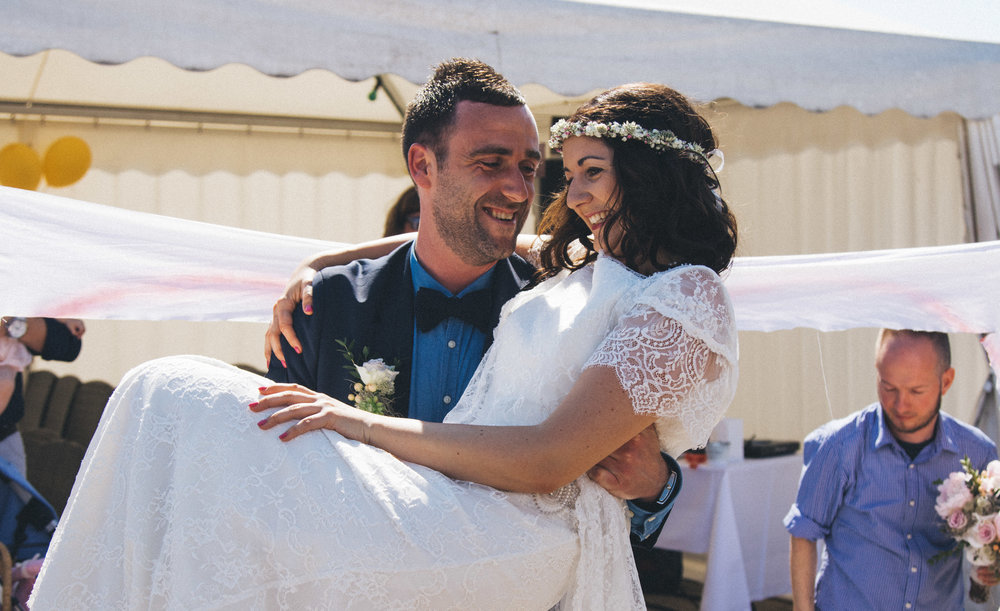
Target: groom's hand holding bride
[626, 473]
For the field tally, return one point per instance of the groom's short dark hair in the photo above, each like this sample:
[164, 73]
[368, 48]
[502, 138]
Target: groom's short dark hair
[432, 110]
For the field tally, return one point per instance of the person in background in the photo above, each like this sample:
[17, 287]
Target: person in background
[404, 216]
[867, 489]
[14, 357]
[52, 339]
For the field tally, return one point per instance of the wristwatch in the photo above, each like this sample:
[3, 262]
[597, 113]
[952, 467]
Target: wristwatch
[668, 495]
[673, 487]
[16, 327]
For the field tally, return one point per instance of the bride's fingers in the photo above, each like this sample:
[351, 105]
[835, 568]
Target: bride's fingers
[320, 420]
[277, 401]
[276, 388]
[282, 395]
[289, 413]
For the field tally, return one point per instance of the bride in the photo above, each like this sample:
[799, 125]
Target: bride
[186, 501]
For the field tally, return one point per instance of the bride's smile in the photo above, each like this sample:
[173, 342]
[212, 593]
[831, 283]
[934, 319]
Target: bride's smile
[592, 188]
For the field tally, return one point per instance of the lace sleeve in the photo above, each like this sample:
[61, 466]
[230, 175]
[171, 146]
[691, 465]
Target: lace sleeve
[674, 352]
[534, 255]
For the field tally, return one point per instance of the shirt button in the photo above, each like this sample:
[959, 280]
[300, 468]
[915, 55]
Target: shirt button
[912, 503]
[913, 569]
[447, 399]
[912, 466]
[451, 343]
[909, 606]
[909, 536]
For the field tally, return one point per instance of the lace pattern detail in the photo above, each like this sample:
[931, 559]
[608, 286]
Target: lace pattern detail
[674, 352]
[669, 371]
[534, 255]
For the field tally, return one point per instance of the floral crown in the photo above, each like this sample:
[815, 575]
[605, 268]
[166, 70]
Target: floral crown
[656, 139]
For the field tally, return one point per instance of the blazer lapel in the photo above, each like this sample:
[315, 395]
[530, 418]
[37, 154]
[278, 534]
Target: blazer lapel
[392, 325]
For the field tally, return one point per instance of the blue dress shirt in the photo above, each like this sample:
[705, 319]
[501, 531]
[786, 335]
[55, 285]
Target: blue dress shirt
[448, 354]
[874, 507]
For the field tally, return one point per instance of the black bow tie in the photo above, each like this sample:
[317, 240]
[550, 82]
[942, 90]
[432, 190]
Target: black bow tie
[432, 307]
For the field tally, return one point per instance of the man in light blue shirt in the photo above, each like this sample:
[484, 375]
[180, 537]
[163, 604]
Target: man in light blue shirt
[867, 489]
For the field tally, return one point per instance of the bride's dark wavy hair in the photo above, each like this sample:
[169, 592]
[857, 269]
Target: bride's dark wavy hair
[667, 205]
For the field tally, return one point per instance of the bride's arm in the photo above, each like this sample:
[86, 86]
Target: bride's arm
[591, 422]
[299, 288]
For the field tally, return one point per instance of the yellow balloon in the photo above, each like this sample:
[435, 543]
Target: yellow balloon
[66, 161]
[20, 167]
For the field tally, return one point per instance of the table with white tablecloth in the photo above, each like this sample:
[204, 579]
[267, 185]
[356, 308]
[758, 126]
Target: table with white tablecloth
[733, 513]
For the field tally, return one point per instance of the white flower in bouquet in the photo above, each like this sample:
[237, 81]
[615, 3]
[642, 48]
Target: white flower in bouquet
[989, 481]
[954, 495]
[981, 556]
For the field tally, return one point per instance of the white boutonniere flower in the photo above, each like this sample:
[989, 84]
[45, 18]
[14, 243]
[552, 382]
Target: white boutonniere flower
[375, 385]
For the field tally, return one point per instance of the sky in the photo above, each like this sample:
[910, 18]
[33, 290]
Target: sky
[976, 20]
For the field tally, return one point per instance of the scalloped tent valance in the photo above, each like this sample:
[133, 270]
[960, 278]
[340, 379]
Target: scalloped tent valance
[568, 47]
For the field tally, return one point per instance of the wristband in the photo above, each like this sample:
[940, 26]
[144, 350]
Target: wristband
[16, 327]
[668, 489]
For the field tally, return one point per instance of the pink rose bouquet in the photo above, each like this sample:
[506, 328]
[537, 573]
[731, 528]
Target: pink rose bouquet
[969, 503]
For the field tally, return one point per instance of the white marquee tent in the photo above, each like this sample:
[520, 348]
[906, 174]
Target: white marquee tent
[897, 106]
[569, 47]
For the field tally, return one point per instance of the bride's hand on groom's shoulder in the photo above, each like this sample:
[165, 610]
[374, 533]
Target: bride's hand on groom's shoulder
[307, 410]
[298, 290]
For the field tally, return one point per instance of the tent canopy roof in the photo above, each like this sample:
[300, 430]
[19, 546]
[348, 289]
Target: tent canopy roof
[569, 48]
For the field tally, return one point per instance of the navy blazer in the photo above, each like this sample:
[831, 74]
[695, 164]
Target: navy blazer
[369, 303]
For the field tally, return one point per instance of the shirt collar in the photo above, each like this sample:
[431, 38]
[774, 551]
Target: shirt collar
[422, 279]
[943, 435]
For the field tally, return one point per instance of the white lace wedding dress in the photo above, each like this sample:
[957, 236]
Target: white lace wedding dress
[183, 503]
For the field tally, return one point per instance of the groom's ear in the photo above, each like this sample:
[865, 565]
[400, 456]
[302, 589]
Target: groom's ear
[421, 163]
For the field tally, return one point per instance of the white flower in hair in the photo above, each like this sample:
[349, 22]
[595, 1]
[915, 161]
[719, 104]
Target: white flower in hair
[657, 139]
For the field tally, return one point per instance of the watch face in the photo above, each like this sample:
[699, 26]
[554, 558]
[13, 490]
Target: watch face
[16, 327]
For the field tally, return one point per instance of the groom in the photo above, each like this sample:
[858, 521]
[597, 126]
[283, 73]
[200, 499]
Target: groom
[471, 147]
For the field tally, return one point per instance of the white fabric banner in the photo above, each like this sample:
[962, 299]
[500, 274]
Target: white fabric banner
[68, 258]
